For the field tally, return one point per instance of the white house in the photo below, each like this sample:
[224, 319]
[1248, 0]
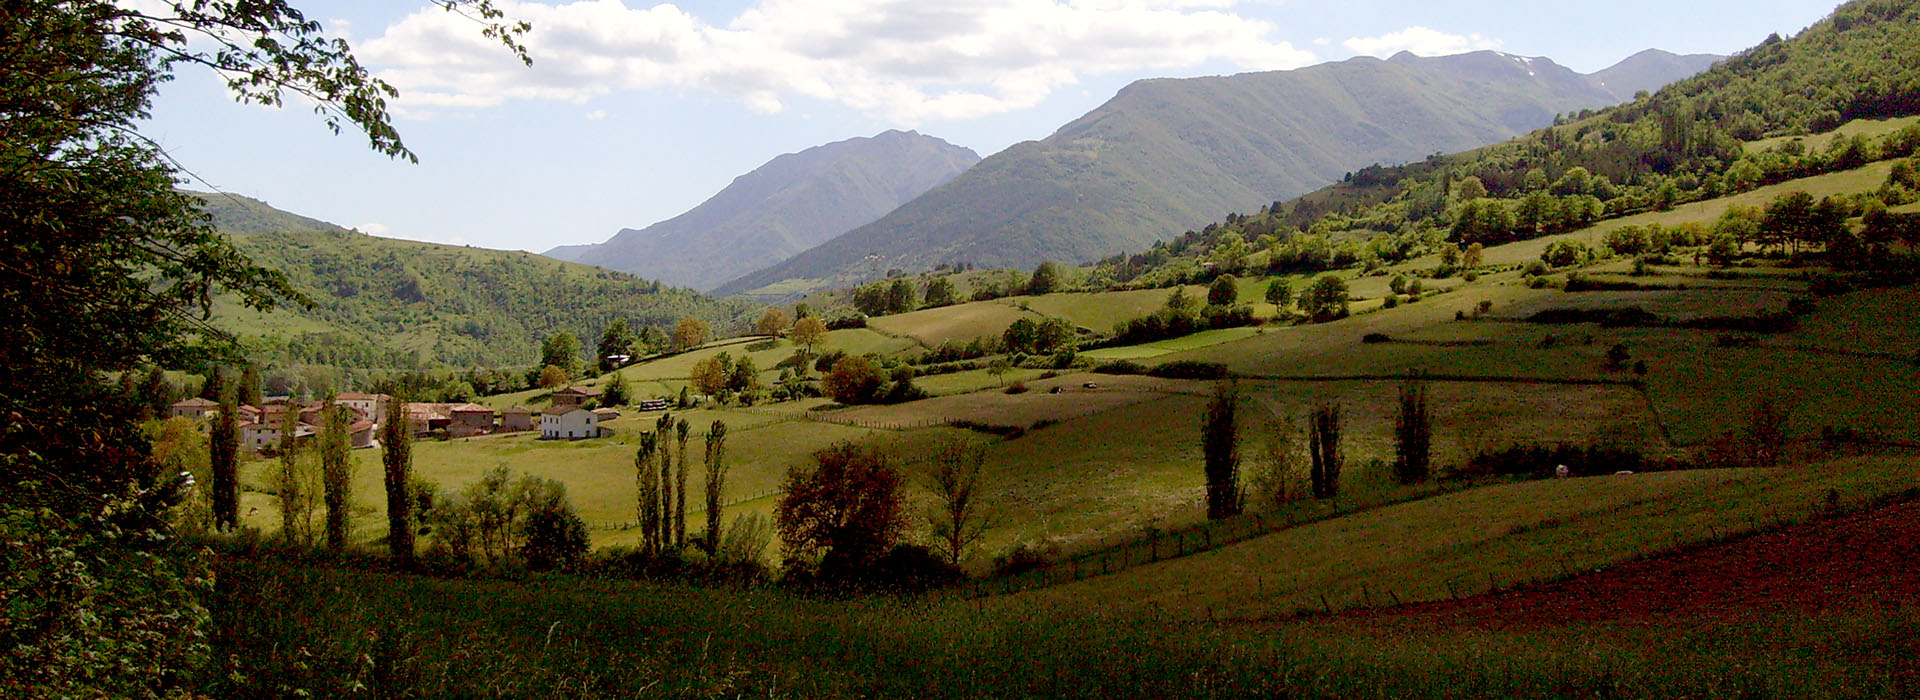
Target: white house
[569, 423]
[194, 409]
[373, 406]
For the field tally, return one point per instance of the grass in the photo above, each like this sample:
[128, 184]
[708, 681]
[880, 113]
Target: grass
[1434, 548]
[960, 322]
[290, 628]
[1869, 128]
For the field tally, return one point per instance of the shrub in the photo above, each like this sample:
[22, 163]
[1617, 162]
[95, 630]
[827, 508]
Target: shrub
[556, 540]
[1020, 559]
[1120, 367]
[1392, 301]
[853, 380]
[1017, 388]
[1189, 369]
[1540, 461]
[1374, 338]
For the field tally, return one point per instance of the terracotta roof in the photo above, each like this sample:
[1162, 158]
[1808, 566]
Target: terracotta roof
[580, 390]
[518, 409]
[359, 426]
[195, 402]
[560, 410]
[471, 408]
[360, 397]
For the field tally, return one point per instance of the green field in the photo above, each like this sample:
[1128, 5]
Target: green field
[1869, 128]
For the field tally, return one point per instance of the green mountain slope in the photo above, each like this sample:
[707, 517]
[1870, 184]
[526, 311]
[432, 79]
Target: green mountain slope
[388, 303]
[1167, 155]
[1725, 131]
[792, 203]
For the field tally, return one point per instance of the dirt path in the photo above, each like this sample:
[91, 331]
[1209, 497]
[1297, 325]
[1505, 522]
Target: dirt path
[1856, 561]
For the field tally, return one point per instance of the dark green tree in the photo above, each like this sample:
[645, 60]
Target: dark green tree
[1220, 446]
[562, 350]
[1413, 434]
[1045, 280]
[223, 447]
[1280, 294]
[250, 386]
[1327, 299]
[336, 472]
[1224, 291]
[615, 391]
[900, 296]
[617, 340]
[939, 292]
[716, 462]
[396, 457]
[1323, 450]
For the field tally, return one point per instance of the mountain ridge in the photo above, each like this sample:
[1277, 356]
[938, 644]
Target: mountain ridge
[1169, 154]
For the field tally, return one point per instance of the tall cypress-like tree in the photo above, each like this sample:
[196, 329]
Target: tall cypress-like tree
[215, 388]
[249, 391]
[336, 473]
[1323, 446]
[1220, 445]
[663, 456]
[716, 480]
[223, 448]
[397, 457]
[681, 430]
[646, 492]
[289, 485]
[156, 395]
[1413, 434]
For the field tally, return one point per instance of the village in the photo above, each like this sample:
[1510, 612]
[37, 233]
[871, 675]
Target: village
[574, 414]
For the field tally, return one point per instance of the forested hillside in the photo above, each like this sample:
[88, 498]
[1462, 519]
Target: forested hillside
[1166, 155]
[790, 204]
[1700, 138]
[386, 303]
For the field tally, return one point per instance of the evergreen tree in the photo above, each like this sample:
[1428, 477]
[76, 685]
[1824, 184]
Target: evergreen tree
[215, 386]
[1046, 279]
[156, 394]
[1280, 294]
[1224, 291]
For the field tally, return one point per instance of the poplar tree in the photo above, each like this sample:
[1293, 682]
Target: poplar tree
[716, 461]
[336, 473]
[223, 453]
[1413, 434]
[397, 457]
[647, 493]
[289, 486]
[1323, 447]
[681, 431]
[1220, 445]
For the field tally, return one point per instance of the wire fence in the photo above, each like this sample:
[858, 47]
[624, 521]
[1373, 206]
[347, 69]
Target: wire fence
[821, 416]
[620, 526]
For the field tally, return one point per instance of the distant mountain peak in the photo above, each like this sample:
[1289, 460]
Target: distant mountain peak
[790, 203]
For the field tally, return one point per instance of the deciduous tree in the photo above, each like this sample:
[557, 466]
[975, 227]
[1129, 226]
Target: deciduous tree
[847, 509]
[960, 518]
[690, 333]
[771, 322]
[1413, 434]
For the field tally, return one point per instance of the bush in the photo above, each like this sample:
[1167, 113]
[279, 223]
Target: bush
[1017, 388]
[1019, 560]
[1541, 461]
[1374, 338]
[556, 540]
[1120, 367]
[1189, 369]
[1628, 316]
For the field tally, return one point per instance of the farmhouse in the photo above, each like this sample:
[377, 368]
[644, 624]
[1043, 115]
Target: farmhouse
[574, 396]
[569, 423]
[360, 434]
[470, 419]
[194, 409]
[516, 418]
[373, 406]
[260, 436]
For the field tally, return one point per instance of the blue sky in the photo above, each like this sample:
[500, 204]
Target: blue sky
[636, 111]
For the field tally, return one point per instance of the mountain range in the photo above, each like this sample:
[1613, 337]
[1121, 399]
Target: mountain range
[792, 203]
[1166, 155]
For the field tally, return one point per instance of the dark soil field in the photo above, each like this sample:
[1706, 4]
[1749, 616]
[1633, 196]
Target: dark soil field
[1854, 562]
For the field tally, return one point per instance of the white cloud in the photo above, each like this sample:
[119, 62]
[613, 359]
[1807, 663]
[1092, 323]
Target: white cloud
[374, 229]
[596, 115]
[1421, 41]
[902, 60]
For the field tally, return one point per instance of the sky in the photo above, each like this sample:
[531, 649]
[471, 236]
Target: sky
[634, 112]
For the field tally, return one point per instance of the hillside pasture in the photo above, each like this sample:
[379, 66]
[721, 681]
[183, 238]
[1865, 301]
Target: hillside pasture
[1818, 143]
[1470, 541]
[1038, 403]
[960, 322]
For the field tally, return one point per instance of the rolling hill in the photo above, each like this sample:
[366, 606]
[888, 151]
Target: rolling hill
[386, 303]
[792, 203]
[1169, 154]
